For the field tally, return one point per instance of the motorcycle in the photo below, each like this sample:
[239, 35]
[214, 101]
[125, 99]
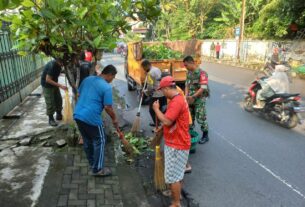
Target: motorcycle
[269, 68]
[284, 109]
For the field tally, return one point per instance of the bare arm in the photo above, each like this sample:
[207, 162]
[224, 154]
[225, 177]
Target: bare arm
[186, 90]
[160, 115]
[198, 93]
[109, 110]
[50, 81]
[163, 119]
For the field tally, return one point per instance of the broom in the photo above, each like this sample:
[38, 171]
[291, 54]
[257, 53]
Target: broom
[137, 123]
[156, 141]
[159, 171]
[127, 146]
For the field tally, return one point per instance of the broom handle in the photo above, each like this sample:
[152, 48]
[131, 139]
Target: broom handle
[157, 126]
[120, 133]
[145, 82]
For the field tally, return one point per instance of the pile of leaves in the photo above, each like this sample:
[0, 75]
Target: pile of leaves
[300, 69]
[139, 143]
[160, 52]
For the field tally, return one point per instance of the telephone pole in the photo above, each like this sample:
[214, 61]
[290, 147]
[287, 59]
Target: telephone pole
[242, 27]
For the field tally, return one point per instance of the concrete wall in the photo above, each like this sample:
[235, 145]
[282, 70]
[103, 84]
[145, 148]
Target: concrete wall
[257, 50]
[17, 98]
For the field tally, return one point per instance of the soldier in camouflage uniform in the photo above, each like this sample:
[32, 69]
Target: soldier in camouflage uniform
[196, 91]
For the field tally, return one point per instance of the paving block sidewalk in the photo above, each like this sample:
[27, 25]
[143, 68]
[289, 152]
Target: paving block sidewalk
[79, 188]
[36, 175]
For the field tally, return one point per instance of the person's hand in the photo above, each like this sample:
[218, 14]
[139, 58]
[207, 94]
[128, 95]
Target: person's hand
[156, 130]
[145, 91]
[190, 99]
[115, 123]
[156, 105]
[65, 88]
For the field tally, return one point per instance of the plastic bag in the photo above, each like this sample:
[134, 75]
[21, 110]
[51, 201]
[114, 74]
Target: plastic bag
[68, 111]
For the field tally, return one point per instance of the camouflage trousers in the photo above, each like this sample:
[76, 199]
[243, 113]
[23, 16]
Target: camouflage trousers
[53, 100]
[198, 111]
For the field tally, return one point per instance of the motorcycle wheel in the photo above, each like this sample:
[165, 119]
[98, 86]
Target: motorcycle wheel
[248, 104]
[291, 122]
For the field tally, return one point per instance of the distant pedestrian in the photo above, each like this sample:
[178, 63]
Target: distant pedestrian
[196, 91]
[154, 75]
[212, 49]
[217, 48]
[50, 86]
[95, 95]
[176, 136]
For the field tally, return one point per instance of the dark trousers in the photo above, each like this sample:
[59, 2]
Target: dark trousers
[94, 144]
[217, 55]
[53, 100]
[162, 102]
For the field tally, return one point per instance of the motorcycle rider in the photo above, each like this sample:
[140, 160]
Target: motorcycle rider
[275, 58]
[276, 84]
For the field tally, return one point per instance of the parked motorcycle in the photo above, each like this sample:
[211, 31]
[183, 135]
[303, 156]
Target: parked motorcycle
[284, 109]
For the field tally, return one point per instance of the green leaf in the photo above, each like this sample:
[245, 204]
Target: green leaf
[16, 20]
[47, 13]
[97, 41]
[17, 2]
[28, 3]
[139, 5]
[4, 4]
[54, 29]
[70, 48]
[28, 13]
[83, 11]
[22, 53]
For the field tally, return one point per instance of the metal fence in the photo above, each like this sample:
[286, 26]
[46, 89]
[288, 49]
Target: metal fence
[16, 71]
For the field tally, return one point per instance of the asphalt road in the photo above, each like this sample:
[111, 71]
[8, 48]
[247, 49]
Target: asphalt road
[248, 162]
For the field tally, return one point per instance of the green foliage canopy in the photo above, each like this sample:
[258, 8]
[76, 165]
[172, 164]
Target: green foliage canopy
[64, 28]
[267, 19]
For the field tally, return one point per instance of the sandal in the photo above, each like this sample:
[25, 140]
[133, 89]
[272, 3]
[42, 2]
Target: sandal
[168, 193]
[188, 169]
[103, 173]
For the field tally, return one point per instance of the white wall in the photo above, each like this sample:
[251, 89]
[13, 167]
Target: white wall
[257, 50]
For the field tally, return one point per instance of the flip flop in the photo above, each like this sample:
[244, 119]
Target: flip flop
[188, 170]
[168, 193]
[103, 173]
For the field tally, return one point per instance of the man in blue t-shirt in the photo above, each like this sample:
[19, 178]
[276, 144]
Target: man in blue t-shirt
[95, 94]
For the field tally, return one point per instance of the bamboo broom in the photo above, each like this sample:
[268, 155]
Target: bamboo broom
[157, 138]
[159, 171]
[156, 141]
[127, 146]
[137, 122]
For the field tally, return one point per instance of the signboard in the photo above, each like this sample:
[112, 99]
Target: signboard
[237, 31]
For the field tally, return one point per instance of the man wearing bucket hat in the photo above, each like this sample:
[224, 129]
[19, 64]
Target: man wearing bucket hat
[176, 136]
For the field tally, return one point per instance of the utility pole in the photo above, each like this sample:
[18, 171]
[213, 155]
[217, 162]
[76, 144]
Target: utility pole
[242, 27]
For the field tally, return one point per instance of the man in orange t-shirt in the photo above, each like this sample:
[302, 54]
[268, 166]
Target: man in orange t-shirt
[176, 136]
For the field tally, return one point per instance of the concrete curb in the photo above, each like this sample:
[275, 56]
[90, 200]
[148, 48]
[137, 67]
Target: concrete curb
[131, 188]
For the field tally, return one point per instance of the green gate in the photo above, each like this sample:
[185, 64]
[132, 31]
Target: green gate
[16, 71]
